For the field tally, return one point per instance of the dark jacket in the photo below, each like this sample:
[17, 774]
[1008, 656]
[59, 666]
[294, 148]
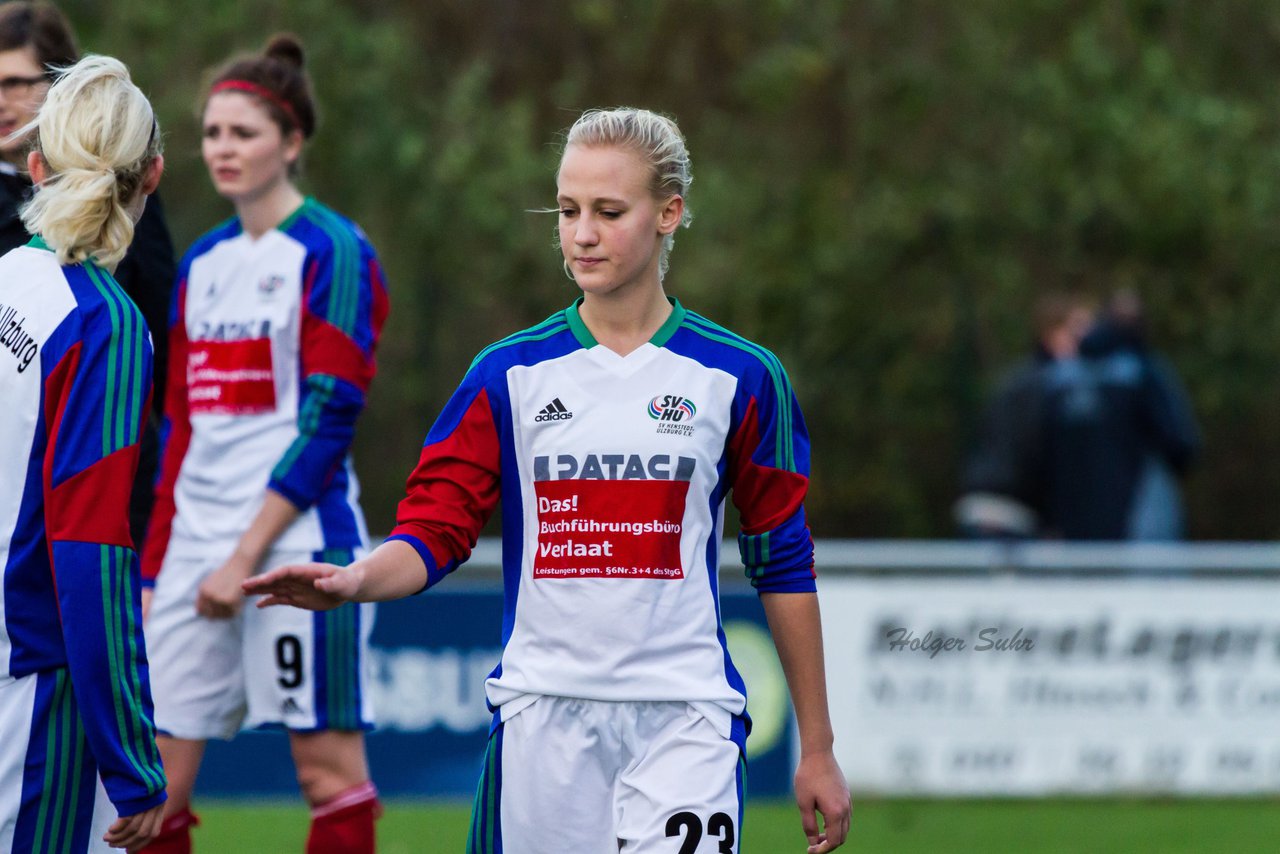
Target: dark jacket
[1108, 415]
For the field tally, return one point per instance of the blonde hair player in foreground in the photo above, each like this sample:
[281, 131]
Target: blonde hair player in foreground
[79, 768]
[612, 434]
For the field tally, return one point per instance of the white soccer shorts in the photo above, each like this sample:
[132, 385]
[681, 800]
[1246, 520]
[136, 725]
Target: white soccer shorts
[595, 777]
[275, 667]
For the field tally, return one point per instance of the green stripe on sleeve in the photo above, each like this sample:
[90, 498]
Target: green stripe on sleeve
[322, 387]
[112, 560]
[128, 366]
[122, 413]
[108, 410]
[553, 325]
[146, 736]
[344, 289]
[785, 448]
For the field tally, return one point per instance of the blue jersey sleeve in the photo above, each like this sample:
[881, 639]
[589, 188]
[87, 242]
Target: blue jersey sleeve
[97, 391]
[769, 469]
[344, 306]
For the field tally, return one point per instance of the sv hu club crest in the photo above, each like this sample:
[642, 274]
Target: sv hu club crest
[671, 407]
[268, 285]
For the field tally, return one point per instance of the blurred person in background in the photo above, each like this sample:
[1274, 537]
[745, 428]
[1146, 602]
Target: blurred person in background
[35, 40]
[612, 434]
[275, 319]
[1004, 481]
[1084, 441]
[1167, 430]
[79, 767]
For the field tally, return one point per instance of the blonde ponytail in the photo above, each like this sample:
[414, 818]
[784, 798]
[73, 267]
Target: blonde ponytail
[98, 136]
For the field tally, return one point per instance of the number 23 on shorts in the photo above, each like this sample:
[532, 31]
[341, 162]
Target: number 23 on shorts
[687, 823]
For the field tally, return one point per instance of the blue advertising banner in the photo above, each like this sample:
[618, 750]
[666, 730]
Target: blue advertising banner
[431, 654]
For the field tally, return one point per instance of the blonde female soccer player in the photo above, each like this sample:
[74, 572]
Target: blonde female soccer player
[79, 769]
[611, 434]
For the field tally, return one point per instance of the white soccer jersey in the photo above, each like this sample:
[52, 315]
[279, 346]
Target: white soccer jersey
[271, 354]
[612, 472]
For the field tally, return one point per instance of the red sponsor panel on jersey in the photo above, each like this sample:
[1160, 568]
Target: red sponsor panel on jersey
[230, 377]
[609, 528]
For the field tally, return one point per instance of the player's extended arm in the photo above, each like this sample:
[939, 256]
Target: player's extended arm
[820, 786]
[391, 571]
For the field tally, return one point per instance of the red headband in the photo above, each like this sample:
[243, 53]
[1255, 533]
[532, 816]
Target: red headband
[262, 92]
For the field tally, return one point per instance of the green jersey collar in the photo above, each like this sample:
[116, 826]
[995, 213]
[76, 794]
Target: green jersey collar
[660, 338]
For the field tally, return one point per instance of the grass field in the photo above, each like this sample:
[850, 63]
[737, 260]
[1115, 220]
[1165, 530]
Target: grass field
[900, 826]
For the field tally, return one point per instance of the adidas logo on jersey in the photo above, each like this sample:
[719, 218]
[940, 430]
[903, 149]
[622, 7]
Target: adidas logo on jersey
[553, 411]
[290, 707]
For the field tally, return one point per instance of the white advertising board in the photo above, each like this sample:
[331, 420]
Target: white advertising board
[991, 685]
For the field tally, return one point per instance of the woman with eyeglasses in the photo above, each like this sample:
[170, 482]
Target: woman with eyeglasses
[36, 39]
[276, 315]
[79, 766]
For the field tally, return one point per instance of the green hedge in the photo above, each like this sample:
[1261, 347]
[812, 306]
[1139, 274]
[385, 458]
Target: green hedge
[881, 190]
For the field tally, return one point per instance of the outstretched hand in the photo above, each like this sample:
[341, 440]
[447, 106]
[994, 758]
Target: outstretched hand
[133, 832]
[821, 790]
[314, 586]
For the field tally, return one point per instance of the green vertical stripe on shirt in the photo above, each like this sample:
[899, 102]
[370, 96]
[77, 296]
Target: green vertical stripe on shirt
[122, 412]
[344, 290]
[322, 387]
[111, 402]
[785, 448]
[144, 737]
[127, 708]
[553, 325]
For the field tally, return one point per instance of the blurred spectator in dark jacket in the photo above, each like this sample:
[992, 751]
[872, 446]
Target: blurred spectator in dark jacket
[1149, 436]
[1086, 439]
[1004, 481]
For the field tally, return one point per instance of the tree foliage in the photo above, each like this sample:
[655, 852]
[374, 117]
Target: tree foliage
[881, 190]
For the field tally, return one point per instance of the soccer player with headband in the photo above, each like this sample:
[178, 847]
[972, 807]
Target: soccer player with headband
[276, 316]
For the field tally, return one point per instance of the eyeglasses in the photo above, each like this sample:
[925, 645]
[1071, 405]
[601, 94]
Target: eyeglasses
[12, 86]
